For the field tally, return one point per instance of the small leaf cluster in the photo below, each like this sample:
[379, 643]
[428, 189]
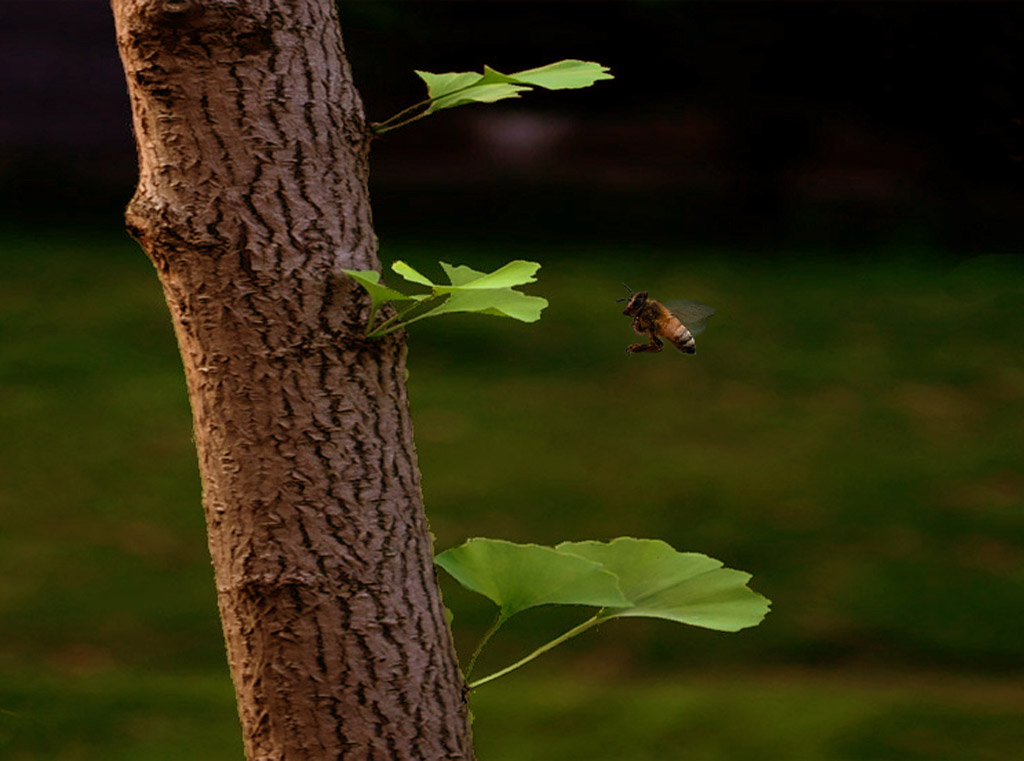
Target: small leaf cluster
[458, 88]
[467, 290]
[624, 577]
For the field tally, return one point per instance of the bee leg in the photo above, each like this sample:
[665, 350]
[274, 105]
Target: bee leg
[654, 346]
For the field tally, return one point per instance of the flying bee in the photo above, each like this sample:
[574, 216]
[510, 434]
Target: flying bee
[654, 319]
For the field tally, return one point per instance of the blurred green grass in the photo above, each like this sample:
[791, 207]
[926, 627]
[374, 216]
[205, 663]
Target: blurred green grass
[849, 432]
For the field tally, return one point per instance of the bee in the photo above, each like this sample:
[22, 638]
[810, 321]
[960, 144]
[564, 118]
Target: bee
[654, 319]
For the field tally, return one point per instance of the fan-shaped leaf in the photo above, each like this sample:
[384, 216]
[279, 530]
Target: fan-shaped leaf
[439, 85]
[457, 88]
[410, 274]
[563, 75]
[520, 576]
[687, 587]
[470, 291]
[514, 273]
[476, 94]
[460, 274]
[501, 302]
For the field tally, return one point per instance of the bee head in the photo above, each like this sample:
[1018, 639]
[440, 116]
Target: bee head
[636, 303]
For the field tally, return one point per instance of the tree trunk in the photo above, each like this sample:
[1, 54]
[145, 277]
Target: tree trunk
[252, 195]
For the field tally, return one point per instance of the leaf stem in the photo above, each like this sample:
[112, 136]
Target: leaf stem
[498, 621]
[377, 127]
[596, 619]
[380, 129]
[418, 317]
[398, 315]
[375, 333]
[387, 327]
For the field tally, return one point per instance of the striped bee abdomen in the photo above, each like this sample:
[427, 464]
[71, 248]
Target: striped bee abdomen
[681, 338]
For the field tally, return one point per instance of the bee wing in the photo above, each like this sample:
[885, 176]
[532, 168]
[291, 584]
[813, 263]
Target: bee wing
[692, 314]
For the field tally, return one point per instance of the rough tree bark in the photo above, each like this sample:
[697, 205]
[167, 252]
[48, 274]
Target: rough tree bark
[252, 195]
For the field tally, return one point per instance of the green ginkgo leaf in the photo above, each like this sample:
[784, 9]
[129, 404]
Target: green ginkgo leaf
[520, 576]
[439, 85]
[686, 587]
[514, 273]
[477, 94]
[563, 75]
[502, 302]
[460, 274]
[410, 274]
[469, 291]
[457, 88]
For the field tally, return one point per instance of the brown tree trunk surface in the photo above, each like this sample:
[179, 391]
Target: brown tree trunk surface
[252, 195]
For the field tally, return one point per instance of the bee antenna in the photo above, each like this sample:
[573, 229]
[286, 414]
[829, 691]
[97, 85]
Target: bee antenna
[625, 298]
[628, 289]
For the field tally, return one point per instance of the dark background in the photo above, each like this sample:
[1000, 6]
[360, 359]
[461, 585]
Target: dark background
[764, 125]
[841, 181]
